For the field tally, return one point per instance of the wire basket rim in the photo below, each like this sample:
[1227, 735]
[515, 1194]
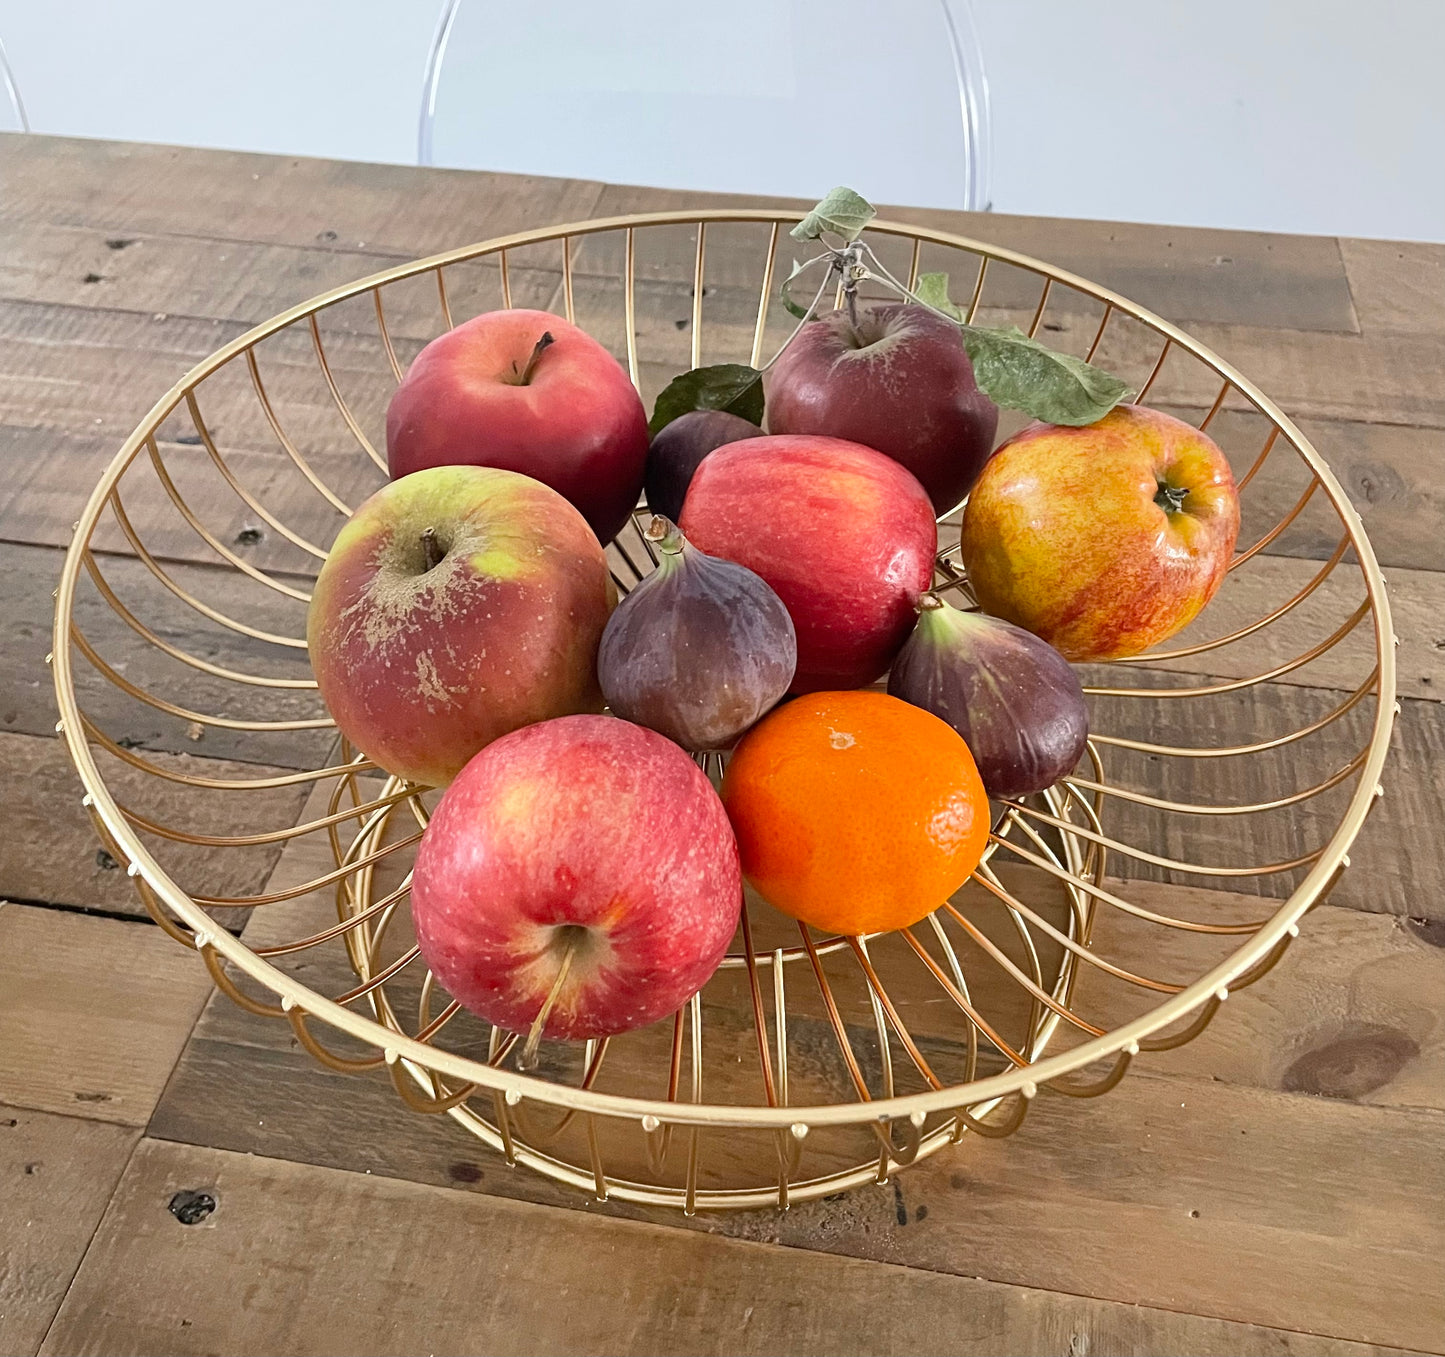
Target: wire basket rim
[1333, 858]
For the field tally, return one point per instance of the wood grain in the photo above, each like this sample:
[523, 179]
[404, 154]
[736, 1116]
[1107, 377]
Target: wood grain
[95, 1012]
[56, 1175]
[123, 188]
[51, 851]
[555, 1282]
[1397, 285]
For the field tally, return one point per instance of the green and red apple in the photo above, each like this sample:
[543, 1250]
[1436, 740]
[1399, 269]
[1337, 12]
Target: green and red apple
[1104, 539]
[586, 856]
[457, 605]
[525, 391]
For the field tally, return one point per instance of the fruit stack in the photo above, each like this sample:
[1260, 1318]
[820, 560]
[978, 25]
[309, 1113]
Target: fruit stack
[580, 876]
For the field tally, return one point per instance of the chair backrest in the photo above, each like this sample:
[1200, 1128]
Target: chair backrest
[12, 106]
[757, 97]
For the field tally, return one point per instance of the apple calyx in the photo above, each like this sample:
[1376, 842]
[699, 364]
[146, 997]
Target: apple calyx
[1171, 498]
[527, 1060]
[432, 551]
[524, 378]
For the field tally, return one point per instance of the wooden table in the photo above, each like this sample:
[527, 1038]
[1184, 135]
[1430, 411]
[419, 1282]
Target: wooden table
[1273, 1187]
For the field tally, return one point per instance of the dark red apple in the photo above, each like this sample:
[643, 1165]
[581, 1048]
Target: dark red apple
[844, 535]
[525, 391]
[898, 380]
[586, 843]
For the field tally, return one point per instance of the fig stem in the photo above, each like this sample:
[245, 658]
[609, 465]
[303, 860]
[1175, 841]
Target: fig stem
[930, 603]
[665, 535]
[538, 349]
[528, 1059]
[432, 551]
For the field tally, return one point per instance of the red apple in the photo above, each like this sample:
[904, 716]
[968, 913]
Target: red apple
[1104, 540]
[528, 392]
[844, 535]
[456, 605]
[898, 380]
[586, 834]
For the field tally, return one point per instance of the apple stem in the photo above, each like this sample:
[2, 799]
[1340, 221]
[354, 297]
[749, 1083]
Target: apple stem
[528, 1059]
[538, 349]
[432, 552]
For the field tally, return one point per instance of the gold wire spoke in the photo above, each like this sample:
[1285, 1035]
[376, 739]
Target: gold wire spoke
[1215, 408]
[1099, 333]
[994, 886]
[249, 840]
[289, 447]
[1153, 375]
[630, 311]
[185, 713]
[1039, 309]
[505, 264]
[1082, 1089]
[958, 996]
[1233, 751]
[1187, 808]
[998, 1130]
[698, 265]
[1233, 685]
[1274, 533]
[386, 336]
[875, 987]
[175, 652]
[541, 1136]
[765, 295]
[337, 399]
[1155, 657]
[293, 892]
[210, 538]
[242, 493]
[977, 290]
[760, 1022]
[568, 303]
[218, 784]
[442, 1101]
[1259, 461]
[1142, 855]
[190, 600]
[336, 930]
[442, 297]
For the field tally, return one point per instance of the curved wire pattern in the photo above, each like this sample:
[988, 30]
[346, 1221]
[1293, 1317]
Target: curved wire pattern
[810, 1063]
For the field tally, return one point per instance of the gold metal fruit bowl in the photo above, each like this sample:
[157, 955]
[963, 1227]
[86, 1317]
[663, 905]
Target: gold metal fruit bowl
[808, 1064]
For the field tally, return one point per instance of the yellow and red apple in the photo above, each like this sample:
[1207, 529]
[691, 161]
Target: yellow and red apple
[458, 604]
[844, 535]
[528, 392]
[1106, 539]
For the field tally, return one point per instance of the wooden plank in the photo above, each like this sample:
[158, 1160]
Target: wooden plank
[56, 1175]
[95, 1012]
[1397, 285]
[126, 188]
[240, 281]
[1349, 1013]
[1389, 874]
[51, 851]
[629, 1287]
[27, 579]
[1183, 273]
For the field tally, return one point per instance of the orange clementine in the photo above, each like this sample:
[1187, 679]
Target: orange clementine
[855, 812]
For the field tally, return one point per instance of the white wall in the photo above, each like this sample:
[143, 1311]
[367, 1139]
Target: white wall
[1292, 115]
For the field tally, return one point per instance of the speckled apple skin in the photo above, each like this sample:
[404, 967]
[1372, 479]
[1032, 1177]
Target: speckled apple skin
[1062, 535]
[578, 425]
[420, 671]
[589, 821]
[844, 535]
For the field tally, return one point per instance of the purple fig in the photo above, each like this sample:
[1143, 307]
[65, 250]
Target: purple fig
[1015, 700]
[699, 650]
[678, 450]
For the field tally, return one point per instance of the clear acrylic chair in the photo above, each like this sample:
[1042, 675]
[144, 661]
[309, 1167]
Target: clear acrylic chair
[764, 96]
[12, 106]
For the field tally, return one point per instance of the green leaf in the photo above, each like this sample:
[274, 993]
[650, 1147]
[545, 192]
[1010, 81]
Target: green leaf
[1021, 373]
[842, 211]
[785, 294]
[734, 387]
[932, 290]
